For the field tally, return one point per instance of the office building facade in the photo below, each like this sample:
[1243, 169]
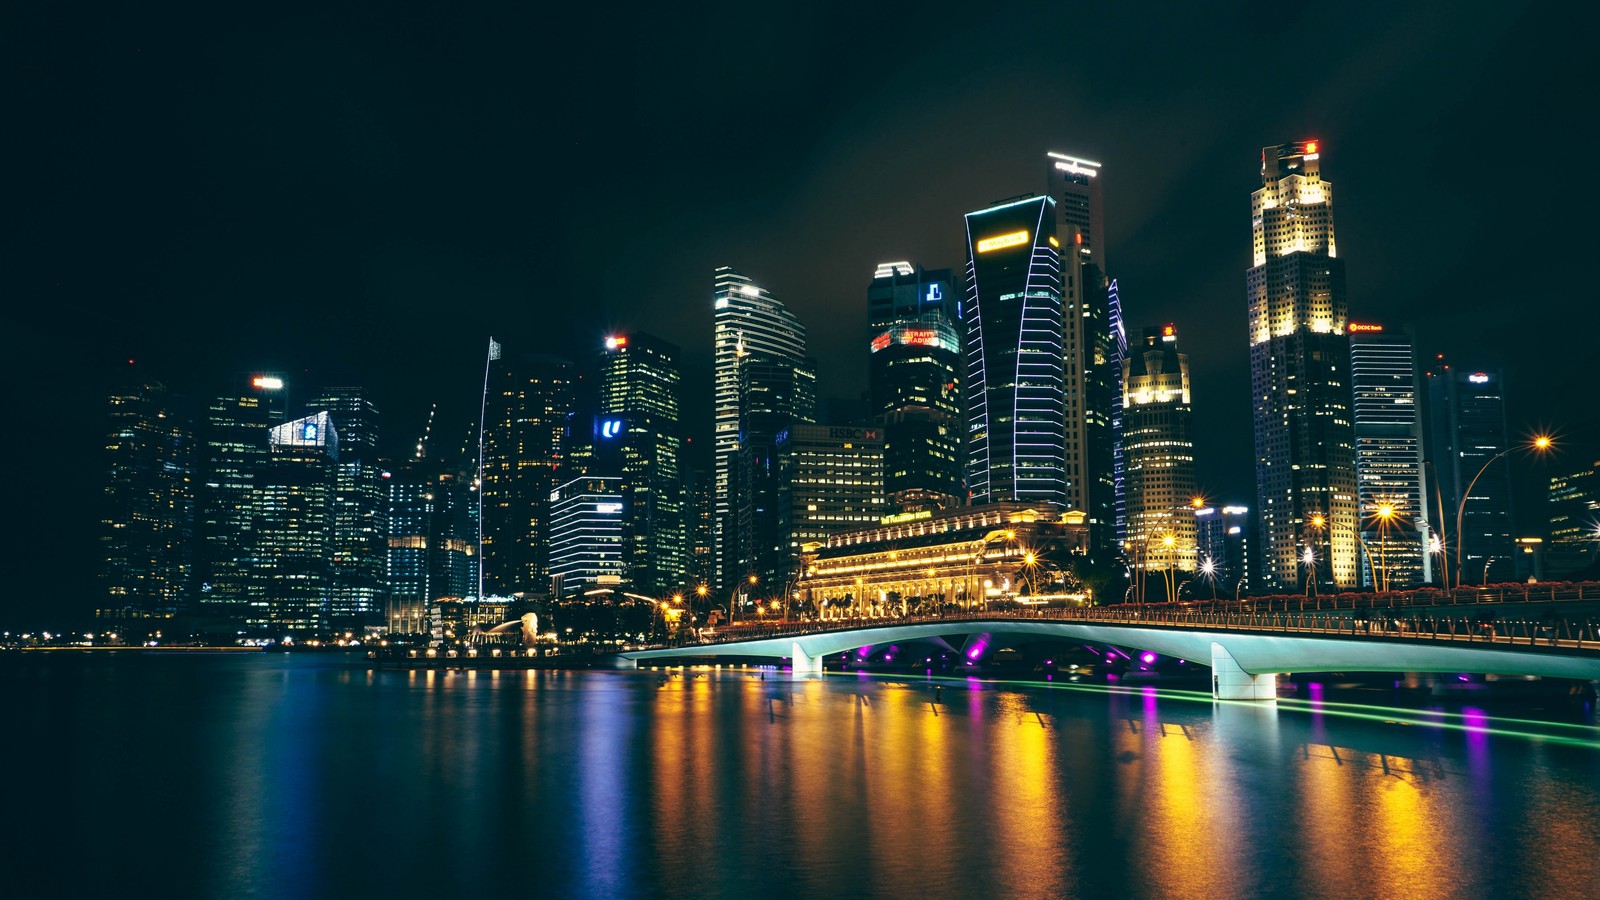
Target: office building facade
[360, 508]
[1013, 322]
[751, 328]
[292, 529]
[1466, 433]
[641, 436]
[914, 374]
[147, 511]
[234, 452]
[1574, 543]
[832, 481]
[527, 408]
[1306, 505]
[1390, 482]
[586, 517]
[1158, 434]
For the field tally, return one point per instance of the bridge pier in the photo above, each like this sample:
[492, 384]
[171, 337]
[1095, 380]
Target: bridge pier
[804, 664]
[1231, 682]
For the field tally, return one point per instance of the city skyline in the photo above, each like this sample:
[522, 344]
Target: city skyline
[245, 257]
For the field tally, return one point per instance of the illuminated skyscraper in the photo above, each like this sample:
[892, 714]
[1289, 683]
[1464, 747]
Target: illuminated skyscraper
[1158, 434]
[1300, 376]
[586, 516]
[234, 453]
[832, 482]
[1466, 431]
[639, 383]
[1389, 478]
[1093, 346]
[914, 374]
[528, 405]
[1013, 343]
[1075, 186]
[751, 326]
[360, 509]
[147, 516]
[292, 528]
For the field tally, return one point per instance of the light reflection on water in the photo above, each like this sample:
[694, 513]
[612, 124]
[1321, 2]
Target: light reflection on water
[311, 776]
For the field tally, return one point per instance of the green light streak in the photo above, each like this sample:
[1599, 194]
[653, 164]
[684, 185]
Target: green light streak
[1388, 715]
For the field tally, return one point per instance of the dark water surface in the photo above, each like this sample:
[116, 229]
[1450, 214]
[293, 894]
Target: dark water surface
[310, 776]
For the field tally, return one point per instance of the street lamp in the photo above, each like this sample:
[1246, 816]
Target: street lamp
[1384, 515]
[1208, 568]
[734, 597]
[1310, 559]
[1540, 444]
[1169, 542]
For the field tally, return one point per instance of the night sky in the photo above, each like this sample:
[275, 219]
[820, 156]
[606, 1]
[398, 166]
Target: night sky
[364, 195]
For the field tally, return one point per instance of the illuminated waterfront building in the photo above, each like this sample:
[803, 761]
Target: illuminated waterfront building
[640, 431]
[832, 481]
[961, 557]
[147, 510]
[751, 328]
[1300, 376]
[360, 510]
[1092, 347]
[1389, 476]
[1574, 506]
[586, 522]
[914, 385]
[292, 528]
[1014, 389]
[1466, 431]
[234, 452]
[527, 408]
[1158, 446]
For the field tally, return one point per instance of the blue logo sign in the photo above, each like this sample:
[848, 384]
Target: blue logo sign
[610, 428]
[309, 433]
[935, 294]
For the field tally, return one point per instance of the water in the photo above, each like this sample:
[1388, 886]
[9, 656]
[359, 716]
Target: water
[310, 776]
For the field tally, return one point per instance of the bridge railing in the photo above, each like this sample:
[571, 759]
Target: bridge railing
[1551, 630]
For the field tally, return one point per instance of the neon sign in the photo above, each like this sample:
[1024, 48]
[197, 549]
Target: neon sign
[1356, 328]
[1002, 241]
[610, 428]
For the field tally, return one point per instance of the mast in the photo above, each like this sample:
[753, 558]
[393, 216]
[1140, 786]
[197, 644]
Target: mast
[483, 407]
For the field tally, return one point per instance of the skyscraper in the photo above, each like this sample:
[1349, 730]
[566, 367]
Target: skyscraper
[292, 528]
[1300, 375]
[526, 411]
[769, 394]
[360, 510]
[234, 453]
[832, 482]
[1092, 347]
[586, 516]
[639, 383]
[750, 325]
[147, 516]
[1389, 477]
[1466, 431]
[1158, 435]
[914, 374]
[1013, 344]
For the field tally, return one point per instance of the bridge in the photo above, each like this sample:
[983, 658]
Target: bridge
[1245, 649]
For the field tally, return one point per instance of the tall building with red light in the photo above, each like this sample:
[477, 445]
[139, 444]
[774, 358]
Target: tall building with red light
[1306, 504]
[914, 386]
